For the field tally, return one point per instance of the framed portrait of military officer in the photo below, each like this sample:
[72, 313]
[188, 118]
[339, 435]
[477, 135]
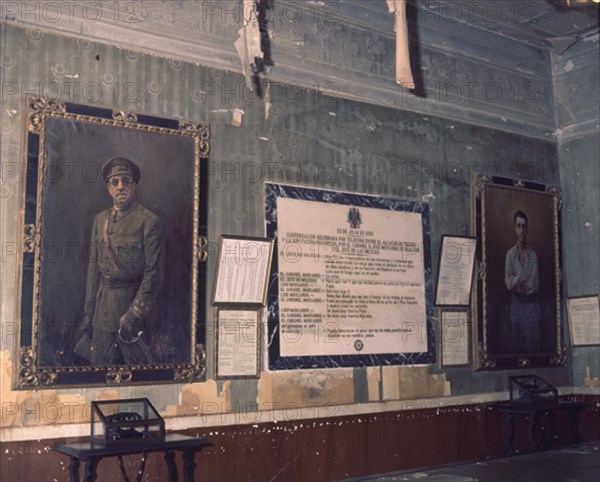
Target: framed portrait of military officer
[112, 236]
[518, 296]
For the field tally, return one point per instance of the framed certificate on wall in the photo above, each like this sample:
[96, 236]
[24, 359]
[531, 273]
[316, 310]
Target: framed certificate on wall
[237, 343]
[243, 265]
[457, 263]
[584, 320]
[454, 334]
[351, 280]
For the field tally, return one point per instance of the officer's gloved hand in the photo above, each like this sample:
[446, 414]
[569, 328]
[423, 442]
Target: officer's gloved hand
[86, 325]
[127, 325]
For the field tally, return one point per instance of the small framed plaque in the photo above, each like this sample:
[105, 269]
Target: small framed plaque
[584, 320]
[243, 265]
[457, 262]
[454, 337]
[237, 343]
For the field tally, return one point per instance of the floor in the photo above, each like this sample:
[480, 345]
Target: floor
[577, 463]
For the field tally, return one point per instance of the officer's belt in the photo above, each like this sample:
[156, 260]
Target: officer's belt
[110, 282]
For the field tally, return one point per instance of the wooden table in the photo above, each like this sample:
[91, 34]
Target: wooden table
[532, 412]
[91, 453]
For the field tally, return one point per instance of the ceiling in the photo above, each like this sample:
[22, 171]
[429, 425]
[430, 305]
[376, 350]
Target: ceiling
[550, 23]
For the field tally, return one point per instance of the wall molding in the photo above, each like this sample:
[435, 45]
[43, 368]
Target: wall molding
[290, 412]
[206, 51]
[579, 130]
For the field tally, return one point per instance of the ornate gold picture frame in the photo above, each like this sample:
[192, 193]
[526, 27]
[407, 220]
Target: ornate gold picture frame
[110, 283]
[518, 295]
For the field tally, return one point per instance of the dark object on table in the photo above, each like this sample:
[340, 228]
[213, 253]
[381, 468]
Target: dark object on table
[531, 389]
[125, 421]
[124, 432]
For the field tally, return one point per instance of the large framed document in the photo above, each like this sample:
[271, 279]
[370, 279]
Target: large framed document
[350, 282]
[455, 271]
[242, 271]
[584, 320]
[237, 343]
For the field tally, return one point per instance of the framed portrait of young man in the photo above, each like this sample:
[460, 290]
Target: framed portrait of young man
[518, 296]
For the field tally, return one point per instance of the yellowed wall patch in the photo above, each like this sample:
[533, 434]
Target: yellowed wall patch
[417, 382]
[307, 388]
[406, 383]
[37, 407]
[201, 398]
[589, 381]
[373, 382]
[49, 407]
[391, 383]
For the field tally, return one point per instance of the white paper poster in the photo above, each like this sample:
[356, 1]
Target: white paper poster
[351, 280]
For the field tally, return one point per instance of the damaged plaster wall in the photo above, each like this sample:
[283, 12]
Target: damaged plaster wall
[576, 83]
[345, 49]
[308, 138]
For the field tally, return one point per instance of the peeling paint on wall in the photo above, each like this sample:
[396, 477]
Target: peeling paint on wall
[307, 388]
[373, 382]
[589, 381]
[247, 44]
[202, 398]
[236, 119]
[569, 66]
[403, 71]
[39, 407]
[390, 379]
[405, 383]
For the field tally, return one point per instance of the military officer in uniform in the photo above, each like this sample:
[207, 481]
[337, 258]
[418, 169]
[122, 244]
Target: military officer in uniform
[124, 271]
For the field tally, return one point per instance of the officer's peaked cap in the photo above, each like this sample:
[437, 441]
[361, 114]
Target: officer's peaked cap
[119, 166]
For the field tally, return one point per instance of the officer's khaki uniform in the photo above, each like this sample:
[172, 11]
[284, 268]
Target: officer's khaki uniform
[130, 278]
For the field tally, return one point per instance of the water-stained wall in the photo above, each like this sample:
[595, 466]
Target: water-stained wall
[576, 78]
[303, 137]
[331, 117]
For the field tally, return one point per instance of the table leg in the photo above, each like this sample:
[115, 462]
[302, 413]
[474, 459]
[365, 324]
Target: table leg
[574, 423]
[510, 427]
[170, 460]
[552, 428]
[90, 469]
[74, 469]
[189, 465]
[532, 424]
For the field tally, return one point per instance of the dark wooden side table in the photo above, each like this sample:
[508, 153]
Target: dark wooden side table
[91, 454]
[533, 412]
